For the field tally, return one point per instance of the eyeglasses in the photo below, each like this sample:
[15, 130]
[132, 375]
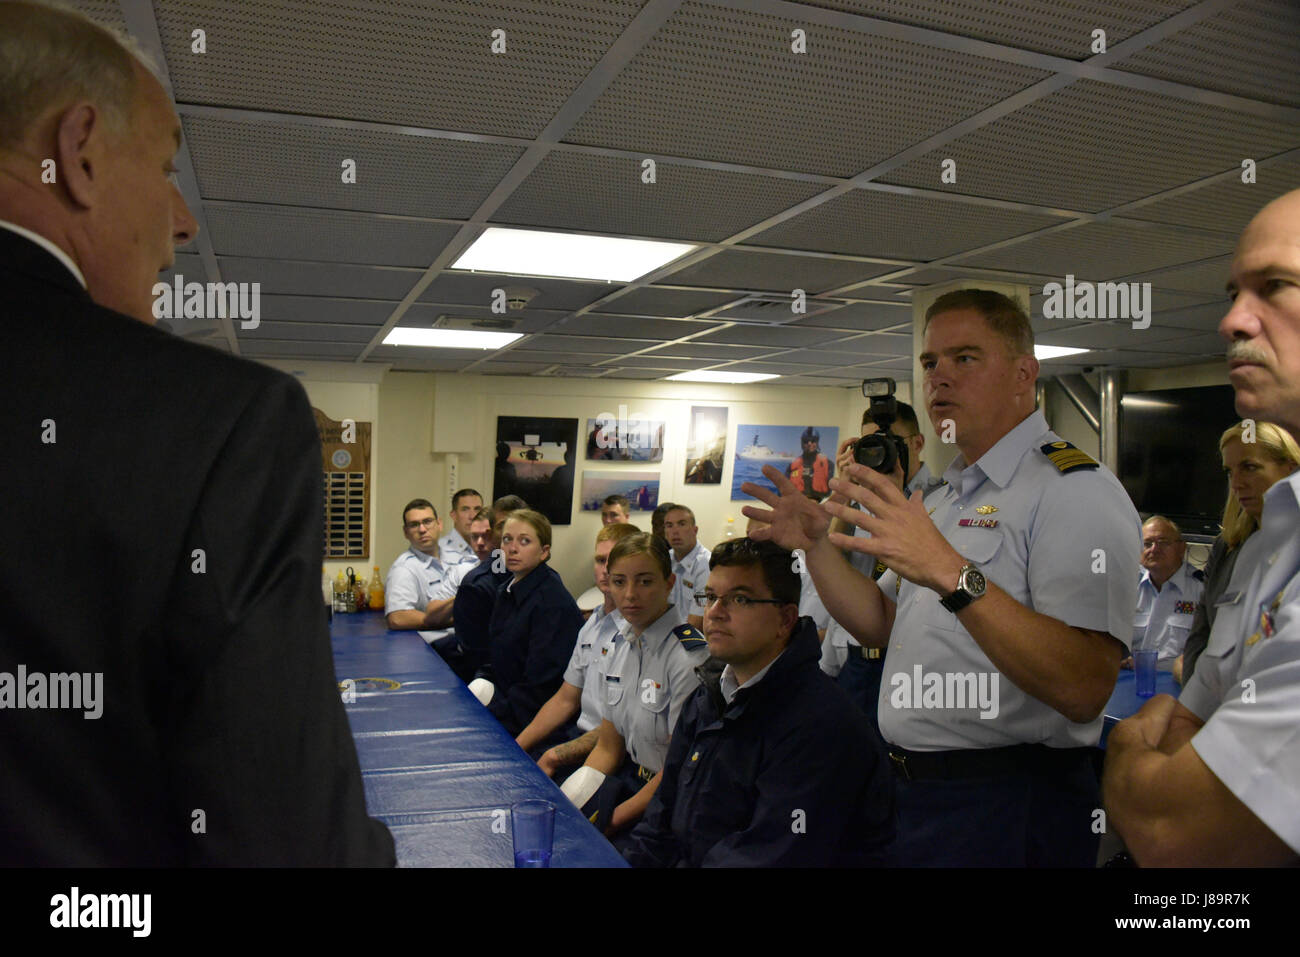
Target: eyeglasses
[1161, 542]
[426, 523]
[734, 600]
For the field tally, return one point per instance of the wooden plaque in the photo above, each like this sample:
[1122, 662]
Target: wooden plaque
[345, 468]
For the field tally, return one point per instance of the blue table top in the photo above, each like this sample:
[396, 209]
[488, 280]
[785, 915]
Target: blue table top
[438, 769]
[1124, 702]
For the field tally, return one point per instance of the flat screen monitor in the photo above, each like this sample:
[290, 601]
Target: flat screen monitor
[1169, 453]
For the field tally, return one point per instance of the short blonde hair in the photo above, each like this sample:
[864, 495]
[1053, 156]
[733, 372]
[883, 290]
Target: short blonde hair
[52, 56]
[1277, 444]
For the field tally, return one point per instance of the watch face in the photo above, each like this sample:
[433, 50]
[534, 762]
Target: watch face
[975, 583]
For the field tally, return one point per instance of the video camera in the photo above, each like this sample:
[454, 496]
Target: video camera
[884, 449]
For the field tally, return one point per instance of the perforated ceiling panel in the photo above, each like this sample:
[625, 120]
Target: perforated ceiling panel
[861, 317]
[263, 232]
[724, 84]
[106, 12]
[1104, 251]
[775, 338]
[336, 280]
[1092, 146]
[603, 194]
[414, 63]
[868, 222]
[1209, 277]
[307, 331]
[630, 327]
[318, 309]
[653, 301]
[734, 269]
[299, 165]
[1228, 205]
[1063, 27]
[1252, 50]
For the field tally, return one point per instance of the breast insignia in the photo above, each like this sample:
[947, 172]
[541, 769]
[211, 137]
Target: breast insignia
[1067, 458]
[689, 637]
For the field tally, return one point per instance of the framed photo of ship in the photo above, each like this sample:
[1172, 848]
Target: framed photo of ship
[805, 453]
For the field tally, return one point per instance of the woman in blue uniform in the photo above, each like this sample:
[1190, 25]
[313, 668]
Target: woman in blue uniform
[534, 625]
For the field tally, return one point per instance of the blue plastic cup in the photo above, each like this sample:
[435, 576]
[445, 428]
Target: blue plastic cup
[1144, 667]
[532, 825]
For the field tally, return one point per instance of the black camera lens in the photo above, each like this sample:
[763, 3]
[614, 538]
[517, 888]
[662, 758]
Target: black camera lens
[881, 451]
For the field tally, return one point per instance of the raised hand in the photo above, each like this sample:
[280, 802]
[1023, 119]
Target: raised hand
[792, 521]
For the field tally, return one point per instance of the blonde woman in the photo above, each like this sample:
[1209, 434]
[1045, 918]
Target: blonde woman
[1252, 469]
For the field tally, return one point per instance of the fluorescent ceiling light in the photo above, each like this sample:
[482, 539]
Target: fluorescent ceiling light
[731, 378]
[449, 338]
[531, 252]
[1055, 352]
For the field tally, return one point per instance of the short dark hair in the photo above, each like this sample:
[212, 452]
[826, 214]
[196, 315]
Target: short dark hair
[906, 415]
[482, 515]
[619, 500]
[681, 508]
[1003, 314]
[508, 503]
[418, 503]
[463, 493]
[777, 564]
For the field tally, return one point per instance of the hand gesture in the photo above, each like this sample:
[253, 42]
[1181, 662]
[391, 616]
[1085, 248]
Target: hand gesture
[792, 521]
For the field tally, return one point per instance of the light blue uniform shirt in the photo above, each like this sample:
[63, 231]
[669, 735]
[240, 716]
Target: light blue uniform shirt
[1164, 617]
[647, 681]
[453, 549]
[1065, 545]
[1247, 682]
[692, 575]
[414, 580]
[596, 641]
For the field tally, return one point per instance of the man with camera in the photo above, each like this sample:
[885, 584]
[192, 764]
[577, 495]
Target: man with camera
[1006, 609]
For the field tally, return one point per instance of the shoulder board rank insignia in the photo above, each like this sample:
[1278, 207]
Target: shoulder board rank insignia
[689, 637]
[1067, 458]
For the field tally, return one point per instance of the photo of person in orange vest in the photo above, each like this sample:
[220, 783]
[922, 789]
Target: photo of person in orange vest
[811, 472]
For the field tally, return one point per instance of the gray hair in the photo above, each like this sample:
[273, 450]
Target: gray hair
[53, 56]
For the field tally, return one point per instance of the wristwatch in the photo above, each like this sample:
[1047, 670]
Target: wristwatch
[970, 585]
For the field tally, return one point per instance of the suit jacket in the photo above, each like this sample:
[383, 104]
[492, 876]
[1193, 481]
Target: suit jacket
[162, 526]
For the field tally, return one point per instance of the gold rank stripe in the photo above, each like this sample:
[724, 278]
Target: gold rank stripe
[1070, 458]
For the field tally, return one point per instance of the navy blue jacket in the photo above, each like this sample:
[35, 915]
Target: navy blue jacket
[789, 774]
[472, 611]
[534, 627]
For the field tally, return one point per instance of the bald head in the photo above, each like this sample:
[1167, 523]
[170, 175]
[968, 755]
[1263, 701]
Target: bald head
[1263, 324]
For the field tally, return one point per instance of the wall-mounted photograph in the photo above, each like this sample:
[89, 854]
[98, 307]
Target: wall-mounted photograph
[639, 488]
[534, 460]
[805, 453]
[706, 445]
[624, 438]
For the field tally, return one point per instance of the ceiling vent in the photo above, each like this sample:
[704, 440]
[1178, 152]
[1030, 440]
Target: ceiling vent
[772, 310]
[479, 323]
[574, 372]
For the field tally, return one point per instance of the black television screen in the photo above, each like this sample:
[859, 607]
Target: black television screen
[1169, 453]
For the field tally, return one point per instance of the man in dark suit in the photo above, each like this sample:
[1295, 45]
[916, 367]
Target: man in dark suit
[161, 514]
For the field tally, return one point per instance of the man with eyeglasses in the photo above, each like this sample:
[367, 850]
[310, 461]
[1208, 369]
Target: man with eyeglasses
[1168, 593]
[419, 590]
[770, 763]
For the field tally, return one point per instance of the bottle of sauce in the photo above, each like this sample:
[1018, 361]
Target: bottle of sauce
[377, 591]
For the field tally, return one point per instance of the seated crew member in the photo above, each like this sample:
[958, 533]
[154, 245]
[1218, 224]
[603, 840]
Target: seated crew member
[768, 745]
[477, 593]
[535, 622]
[615, 510]
[811, 472]
[1253, 468]
[657, 518]
[417, 593]
[481, 539]
[649, 678]
[584, 680]
[1169, 593]
[690, 561]
[454, 547]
